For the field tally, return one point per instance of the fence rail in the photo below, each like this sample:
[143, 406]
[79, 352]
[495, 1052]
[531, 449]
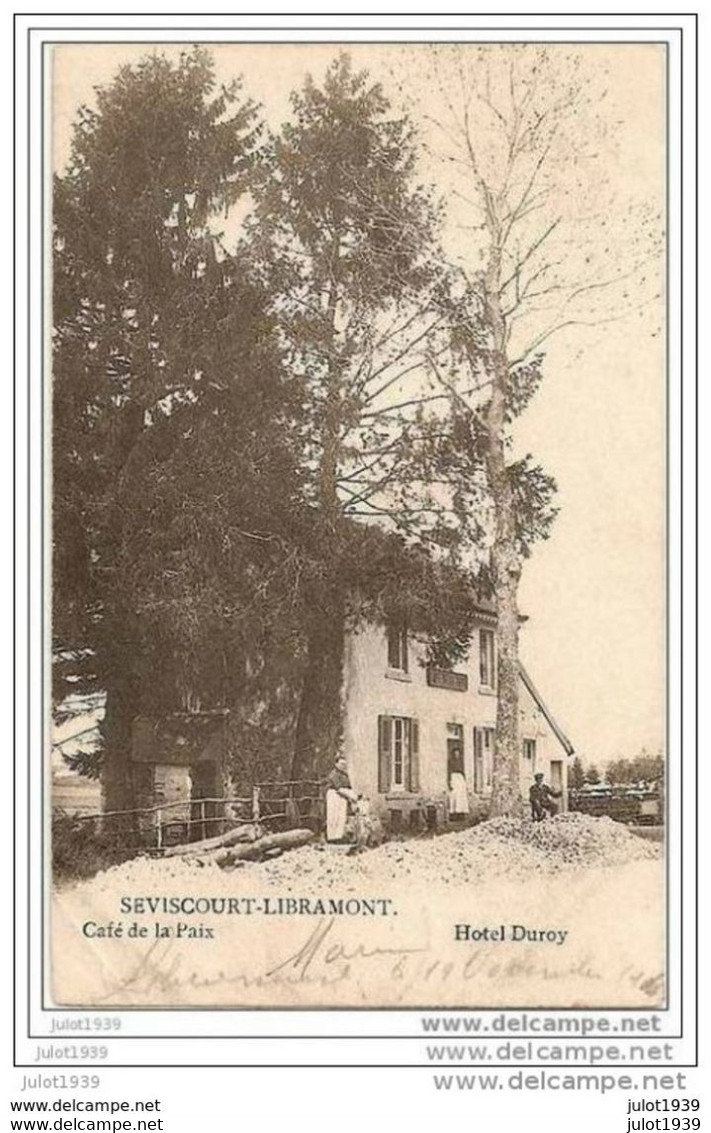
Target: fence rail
[153, 826]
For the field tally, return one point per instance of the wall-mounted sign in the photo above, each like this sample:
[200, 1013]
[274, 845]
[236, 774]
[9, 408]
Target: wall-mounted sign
[445, 678]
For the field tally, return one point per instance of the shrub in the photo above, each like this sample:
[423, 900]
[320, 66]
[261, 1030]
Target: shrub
[80, 848]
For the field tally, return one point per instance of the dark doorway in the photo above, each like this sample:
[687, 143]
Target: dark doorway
[206, 812]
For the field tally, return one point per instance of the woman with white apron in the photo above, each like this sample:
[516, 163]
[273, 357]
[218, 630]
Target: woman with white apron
[339, 794]
[458, 797]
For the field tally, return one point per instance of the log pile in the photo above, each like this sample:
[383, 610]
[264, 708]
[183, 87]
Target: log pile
[248, 842]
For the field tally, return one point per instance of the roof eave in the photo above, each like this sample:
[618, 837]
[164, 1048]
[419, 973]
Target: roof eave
[555, 726]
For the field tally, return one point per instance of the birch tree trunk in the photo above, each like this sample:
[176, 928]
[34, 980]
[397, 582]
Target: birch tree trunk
[506, 796]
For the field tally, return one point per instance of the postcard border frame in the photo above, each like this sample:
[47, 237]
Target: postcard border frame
[425, 1007]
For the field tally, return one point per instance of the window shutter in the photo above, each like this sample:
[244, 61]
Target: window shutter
[414, 769]
[385, 748]
[490, 738]
[478, 760]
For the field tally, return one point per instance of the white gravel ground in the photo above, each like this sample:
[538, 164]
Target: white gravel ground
[514, 848]
[586, 878]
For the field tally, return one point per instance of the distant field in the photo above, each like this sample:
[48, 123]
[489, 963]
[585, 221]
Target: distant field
[77, 796]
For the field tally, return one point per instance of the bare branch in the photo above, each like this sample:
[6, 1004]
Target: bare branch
[390, 409]
[353, 476]
[531, 252]
[454, 393]
[603, 321]
[407, 349]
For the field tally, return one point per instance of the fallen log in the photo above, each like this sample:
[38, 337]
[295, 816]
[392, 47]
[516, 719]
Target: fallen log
[248, 832]
[263, 847]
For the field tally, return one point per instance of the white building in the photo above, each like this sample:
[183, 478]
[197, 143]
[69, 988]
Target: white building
[403, 719]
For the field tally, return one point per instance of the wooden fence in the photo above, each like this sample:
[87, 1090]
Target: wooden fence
[280, 806]
[643, 808]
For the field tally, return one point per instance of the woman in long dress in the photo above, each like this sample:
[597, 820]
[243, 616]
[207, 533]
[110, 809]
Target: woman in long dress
[458, 796]
[339, 795]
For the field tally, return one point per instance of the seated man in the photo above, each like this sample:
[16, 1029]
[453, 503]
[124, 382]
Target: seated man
[541, 797]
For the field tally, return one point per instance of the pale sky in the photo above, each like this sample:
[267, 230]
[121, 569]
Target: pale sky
[594, 593]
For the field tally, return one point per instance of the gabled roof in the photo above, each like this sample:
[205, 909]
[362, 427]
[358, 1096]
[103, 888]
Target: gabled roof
[560, 734]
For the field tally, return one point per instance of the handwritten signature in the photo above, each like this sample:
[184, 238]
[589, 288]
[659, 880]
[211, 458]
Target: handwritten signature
[322, 960]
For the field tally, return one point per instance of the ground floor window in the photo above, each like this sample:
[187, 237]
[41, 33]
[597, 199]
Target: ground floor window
[483, 759]
[398, 754]
[529, 754]
[401, 751]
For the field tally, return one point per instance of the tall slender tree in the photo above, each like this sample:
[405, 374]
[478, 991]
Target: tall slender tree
[518, 127]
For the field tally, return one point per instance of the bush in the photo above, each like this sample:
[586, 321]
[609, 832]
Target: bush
[80, 849]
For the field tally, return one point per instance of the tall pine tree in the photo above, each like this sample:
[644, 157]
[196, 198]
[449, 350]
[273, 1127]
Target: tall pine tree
[346, 232]
[165, 372]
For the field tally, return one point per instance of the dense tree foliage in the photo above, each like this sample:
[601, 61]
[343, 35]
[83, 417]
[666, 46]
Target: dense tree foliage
[642, 768]
[170, 405]
[576, 774]
[221, 448]
[346, 236]
[261, 442]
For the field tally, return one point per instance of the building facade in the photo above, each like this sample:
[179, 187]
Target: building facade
[406, 723]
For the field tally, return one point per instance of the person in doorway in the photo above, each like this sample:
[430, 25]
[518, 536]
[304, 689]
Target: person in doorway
[458, 797]
[339, 797]
[541, 796]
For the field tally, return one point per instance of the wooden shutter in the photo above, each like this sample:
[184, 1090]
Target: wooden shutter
[413, 779]
[490, 737]
[478, 761]
[385, 753]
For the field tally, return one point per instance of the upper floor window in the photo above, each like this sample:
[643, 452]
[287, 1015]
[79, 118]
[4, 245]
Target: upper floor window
[487, 657]
[397, 647]
[529, 752]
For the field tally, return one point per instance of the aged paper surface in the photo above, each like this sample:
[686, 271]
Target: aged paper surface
[209, 849]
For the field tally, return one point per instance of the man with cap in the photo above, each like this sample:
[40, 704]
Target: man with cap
[541, 797]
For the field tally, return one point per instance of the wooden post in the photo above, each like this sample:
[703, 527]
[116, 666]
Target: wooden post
[255, 804]
[202, 816]
[159, 829]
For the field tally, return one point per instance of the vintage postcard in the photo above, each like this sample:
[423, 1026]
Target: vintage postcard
[357, 446]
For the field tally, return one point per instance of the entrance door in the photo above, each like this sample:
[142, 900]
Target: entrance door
[171, 785]
[205, 811]
[483, 759]
[557, 779]
[455, 749]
